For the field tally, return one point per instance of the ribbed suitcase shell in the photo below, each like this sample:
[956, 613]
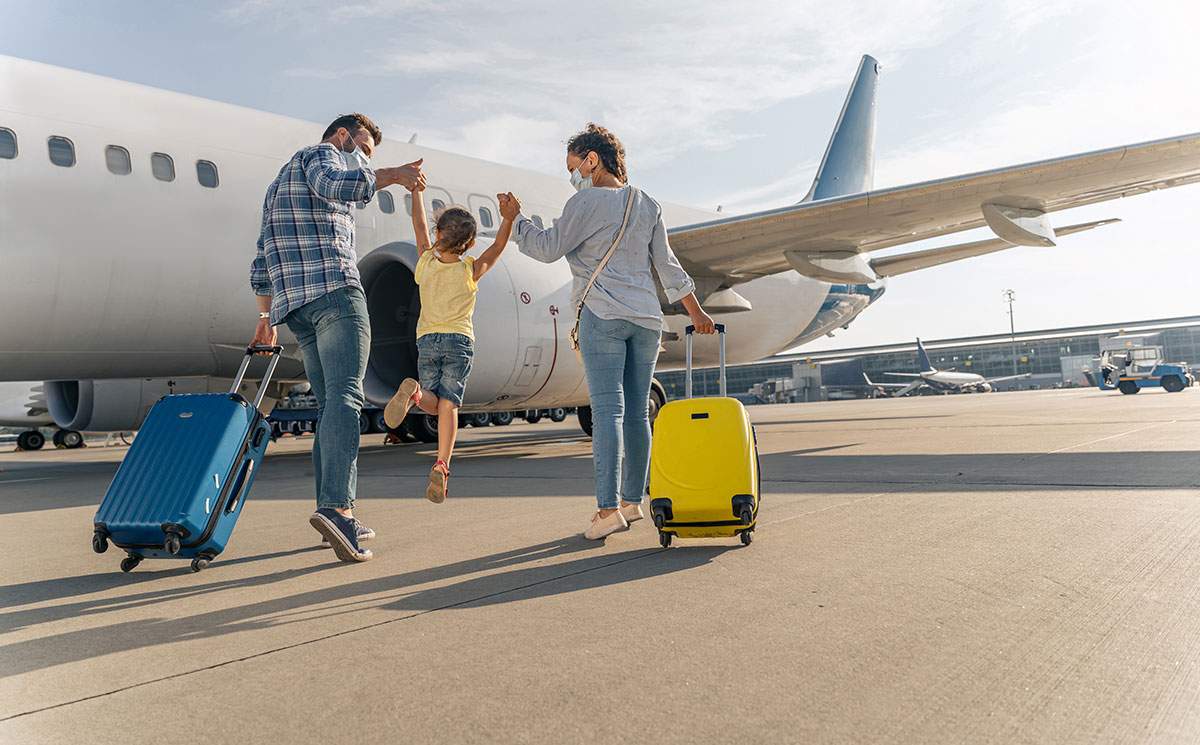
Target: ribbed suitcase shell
[704, 459]
[191, 466]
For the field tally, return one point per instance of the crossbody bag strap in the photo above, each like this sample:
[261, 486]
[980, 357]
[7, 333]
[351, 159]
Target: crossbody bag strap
[600, 267]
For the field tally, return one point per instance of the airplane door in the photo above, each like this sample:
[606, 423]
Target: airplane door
[548, 370]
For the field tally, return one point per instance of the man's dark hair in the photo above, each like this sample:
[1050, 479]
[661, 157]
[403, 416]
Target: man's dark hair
[353, 123]
[605, 144]
[457, 229]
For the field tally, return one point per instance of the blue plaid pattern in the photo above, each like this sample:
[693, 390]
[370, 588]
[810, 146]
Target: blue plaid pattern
[306, 246]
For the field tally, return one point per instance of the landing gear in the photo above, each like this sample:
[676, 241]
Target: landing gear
[533, 416]
[481, 419]
[423, 427]
[68, 439]
[585, 419]
[31, 440]
[558, 415]
[502, 418]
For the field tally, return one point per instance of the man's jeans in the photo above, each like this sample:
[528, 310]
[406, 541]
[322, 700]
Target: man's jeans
[619, 358]
[334, 332]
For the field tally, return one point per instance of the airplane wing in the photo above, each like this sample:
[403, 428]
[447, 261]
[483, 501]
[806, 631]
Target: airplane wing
[1014, 201]
[903, 375]
[1003, 378]
[884, 385]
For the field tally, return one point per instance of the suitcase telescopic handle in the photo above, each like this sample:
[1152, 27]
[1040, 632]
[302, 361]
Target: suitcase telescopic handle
[688, 333]
[274, 351]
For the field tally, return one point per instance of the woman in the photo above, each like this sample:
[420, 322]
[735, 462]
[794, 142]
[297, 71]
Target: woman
[621, 322]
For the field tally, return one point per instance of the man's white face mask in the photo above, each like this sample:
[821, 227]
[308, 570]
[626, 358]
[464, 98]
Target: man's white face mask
[355, 159]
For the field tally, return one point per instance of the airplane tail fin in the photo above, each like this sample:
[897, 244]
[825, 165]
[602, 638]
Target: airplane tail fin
[848, 166]
[923, 358]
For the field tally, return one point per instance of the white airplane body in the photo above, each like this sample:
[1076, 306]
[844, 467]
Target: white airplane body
[119, 287]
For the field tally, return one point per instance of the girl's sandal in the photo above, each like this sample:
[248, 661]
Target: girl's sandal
[439, 479]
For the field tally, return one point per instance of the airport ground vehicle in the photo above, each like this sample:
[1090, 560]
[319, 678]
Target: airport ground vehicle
[704, 466]
[1131, 362]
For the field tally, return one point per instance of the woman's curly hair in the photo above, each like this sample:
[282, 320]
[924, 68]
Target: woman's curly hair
[604, 144]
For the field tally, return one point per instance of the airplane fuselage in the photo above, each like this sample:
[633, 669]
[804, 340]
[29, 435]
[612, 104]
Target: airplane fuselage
[113, 275]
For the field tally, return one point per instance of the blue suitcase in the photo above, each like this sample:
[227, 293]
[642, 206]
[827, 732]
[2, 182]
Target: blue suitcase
[182, 484]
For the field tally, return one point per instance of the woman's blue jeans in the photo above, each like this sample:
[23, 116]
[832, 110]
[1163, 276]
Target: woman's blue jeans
[334, 332]
[619, 358]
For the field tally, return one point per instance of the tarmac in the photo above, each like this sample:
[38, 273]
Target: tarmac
[998, 568]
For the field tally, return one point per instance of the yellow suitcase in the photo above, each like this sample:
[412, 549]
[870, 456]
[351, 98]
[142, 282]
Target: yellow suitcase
[704, 469]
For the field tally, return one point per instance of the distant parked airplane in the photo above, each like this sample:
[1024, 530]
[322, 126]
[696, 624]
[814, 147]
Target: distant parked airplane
[939, 380]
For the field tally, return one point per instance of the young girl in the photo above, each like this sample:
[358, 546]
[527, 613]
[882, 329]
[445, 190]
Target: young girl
[445, 338]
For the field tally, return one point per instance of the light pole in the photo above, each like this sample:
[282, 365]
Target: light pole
[1010, 296]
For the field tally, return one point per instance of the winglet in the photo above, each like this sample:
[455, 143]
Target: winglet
[848, 166]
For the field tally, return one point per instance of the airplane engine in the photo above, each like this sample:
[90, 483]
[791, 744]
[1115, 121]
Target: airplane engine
[522, 316]
[984, 388]
[114, 405]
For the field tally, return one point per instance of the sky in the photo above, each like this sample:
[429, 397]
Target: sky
[725, 106]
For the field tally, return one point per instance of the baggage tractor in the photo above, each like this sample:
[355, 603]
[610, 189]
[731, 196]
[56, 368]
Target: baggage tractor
[181, 487]
[704, 469]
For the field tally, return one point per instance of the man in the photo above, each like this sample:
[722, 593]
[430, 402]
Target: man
[305, 274]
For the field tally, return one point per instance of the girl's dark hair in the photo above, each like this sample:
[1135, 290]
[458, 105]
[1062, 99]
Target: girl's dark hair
[456, 227]
[603, 143]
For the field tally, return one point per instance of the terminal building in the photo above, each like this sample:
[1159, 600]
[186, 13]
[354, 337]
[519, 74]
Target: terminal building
[1054, 358]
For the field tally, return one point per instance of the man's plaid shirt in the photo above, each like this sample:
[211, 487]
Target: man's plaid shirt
[306, 247]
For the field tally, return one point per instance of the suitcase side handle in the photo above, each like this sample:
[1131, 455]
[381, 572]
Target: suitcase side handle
[688, 333]
[274, 351]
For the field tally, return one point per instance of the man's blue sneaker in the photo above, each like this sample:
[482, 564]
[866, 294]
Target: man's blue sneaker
[340, 532]
[362, 532]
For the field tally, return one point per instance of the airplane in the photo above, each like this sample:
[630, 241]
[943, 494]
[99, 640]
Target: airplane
[946, 381]
[128, 218]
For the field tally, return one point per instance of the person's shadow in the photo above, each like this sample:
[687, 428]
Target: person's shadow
[522, 582]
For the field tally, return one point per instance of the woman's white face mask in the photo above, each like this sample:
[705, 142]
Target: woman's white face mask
[578, 180]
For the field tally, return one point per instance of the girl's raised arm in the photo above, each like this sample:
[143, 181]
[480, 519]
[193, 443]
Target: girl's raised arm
[509, 209]
[420, 224]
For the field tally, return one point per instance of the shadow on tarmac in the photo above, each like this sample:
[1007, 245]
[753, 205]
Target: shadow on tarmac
[519, 581]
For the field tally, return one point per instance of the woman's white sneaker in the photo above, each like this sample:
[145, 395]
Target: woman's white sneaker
[603, 527]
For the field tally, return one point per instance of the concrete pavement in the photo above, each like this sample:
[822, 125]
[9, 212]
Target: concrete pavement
[989, 568]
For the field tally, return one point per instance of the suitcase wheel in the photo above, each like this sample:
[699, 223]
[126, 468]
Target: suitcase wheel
[747, 536]
[172, 543]
[99, 542]
[664, 539]
[129, 562]
[200, 562]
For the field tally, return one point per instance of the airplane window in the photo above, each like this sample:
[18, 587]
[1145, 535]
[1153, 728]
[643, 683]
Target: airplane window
[8, 143]
[206, 174]
[162, 167]
[386, 204]
[485, 217]
[437, 205]
[408, 204]
[537, 220]
[62, 151]
[117, 160]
